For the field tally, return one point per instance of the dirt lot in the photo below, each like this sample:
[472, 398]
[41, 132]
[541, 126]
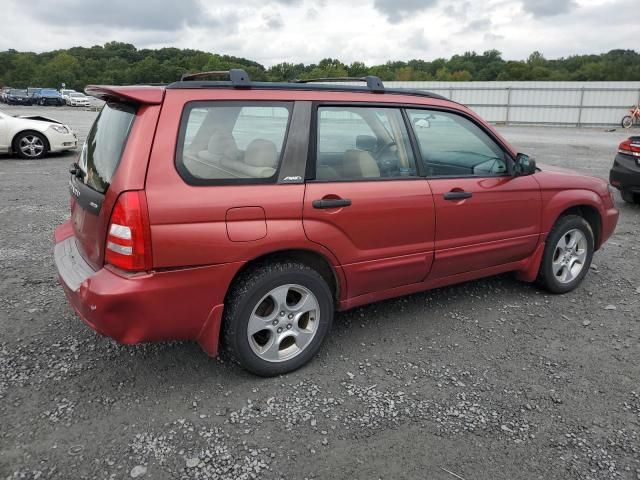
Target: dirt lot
[492, 379]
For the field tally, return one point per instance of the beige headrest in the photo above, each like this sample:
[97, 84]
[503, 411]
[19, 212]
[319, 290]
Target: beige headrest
[261, 153]
[360, 164]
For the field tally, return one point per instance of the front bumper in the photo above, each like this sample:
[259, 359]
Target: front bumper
[184, 304]
[625, 173]
[59, 142]
[609, 222]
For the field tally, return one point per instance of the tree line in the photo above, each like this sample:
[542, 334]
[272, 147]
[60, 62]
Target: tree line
[120, 63]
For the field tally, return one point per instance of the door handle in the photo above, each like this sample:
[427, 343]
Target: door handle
[331, 203]
[457, 195]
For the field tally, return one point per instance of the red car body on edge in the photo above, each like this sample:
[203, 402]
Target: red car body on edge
[165, 245]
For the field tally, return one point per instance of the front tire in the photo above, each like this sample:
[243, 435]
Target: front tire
[30, 145]
[627, 121]
[276, 317]
[567, 255]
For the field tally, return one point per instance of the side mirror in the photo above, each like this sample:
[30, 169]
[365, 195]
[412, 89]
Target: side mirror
[524, 165]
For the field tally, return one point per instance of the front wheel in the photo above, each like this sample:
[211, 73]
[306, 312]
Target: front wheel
[627, 121]
[30, 145]
[567, 255]
[276, 317]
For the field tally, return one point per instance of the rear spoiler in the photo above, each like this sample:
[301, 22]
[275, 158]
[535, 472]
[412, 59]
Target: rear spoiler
[150, 95]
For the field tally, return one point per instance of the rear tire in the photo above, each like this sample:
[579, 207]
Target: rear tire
[627, 122]
[276, 317]
[567, 255]
[629, 197]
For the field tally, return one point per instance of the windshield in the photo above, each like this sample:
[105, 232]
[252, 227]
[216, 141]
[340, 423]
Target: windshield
[17, 92]
[103, 148]
[76, 95]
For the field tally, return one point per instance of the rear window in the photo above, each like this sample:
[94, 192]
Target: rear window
[103, 148]
[232, 142]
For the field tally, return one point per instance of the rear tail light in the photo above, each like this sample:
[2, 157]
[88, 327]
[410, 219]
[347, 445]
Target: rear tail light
[630, 146]
[129, 235]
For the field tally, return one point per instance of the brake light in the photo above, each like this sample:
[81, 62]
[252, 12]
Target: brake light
[630, 146]
[128, 244]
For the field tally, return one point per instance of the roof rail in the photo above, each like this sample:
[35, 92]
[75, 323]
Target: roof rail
[239, 78]
[373, 83]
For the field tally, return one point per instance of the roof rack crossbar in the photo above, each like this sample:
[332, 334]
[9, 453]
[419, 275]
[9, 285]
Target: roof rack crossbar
[373, 83]
[239, 78]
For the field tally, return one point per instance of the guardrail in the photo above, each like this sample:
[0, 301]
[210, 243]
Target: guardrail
[553, 105]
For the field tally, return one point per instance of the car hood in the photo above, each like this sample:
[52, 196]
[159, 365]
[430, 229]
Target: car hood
[39, 118]
[552, 168]
[552, 177]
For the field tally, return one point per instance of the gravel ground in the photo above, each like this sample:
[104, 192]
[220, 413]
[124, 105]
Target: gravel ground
[491, 379]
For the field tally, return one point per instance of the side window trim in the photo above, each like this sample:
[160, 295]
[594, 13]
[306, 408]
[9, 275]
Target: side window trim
[415, 145]
[312, 157]
[192, 180]
[507, 155]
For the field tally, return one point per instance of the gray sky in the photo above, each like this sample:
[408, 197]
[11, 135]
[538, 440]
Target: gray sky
[374, 31]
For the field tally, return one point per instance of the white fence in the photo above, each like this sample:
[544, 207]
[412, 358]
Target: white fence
[552, 103]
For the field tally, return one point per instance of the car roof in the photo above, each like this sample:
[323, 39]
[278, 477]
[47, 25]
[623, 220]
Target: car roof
[154, 94]
[239, 81]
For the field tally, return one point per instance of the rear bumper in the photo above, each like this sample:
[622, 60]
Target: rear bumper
[183, 304]
[625, 173]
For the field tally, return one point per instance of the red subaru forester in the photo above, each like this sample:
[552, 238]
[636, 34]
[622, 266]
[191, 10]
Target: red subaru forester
[245, 213]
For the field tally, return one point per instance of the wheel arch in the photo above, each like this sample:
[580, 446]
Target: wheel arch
[30, 130]
[316, 260]
[585, 203]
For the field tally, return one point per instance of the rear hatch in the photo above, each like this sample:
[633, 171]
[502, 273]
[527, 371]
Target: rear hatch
[92, 176]
[113, 160]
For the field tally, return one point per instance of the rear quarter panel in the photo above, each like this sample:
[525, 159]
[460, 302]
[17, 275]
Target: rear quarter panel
[190, 224]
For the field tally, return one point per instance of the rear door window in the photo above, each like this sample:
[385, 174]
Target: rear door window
[358, 143]
[105, 143]
[232, 142]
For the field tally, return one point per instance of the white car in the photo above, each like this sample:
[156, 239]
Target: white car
[77, 99]
[33, 136]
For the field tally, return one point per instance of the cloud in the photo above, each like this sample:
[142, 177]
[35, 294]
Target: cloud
[548, 8]
[139, 14]
[373, 31]
[274, 21]
[478, 25]
[457, 10]
[398, 10]
[492, 37]
[417, 40]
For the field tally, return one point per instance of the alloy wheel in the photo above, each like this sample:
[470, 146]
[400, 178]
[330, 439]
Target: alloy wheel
[31, 146]
[283, 323]
[569, 256]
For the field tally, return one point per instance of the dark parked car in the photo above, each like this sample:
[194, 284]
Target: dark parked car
[18, 97]
[246, 213]
[625, 173]
[48, 96]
